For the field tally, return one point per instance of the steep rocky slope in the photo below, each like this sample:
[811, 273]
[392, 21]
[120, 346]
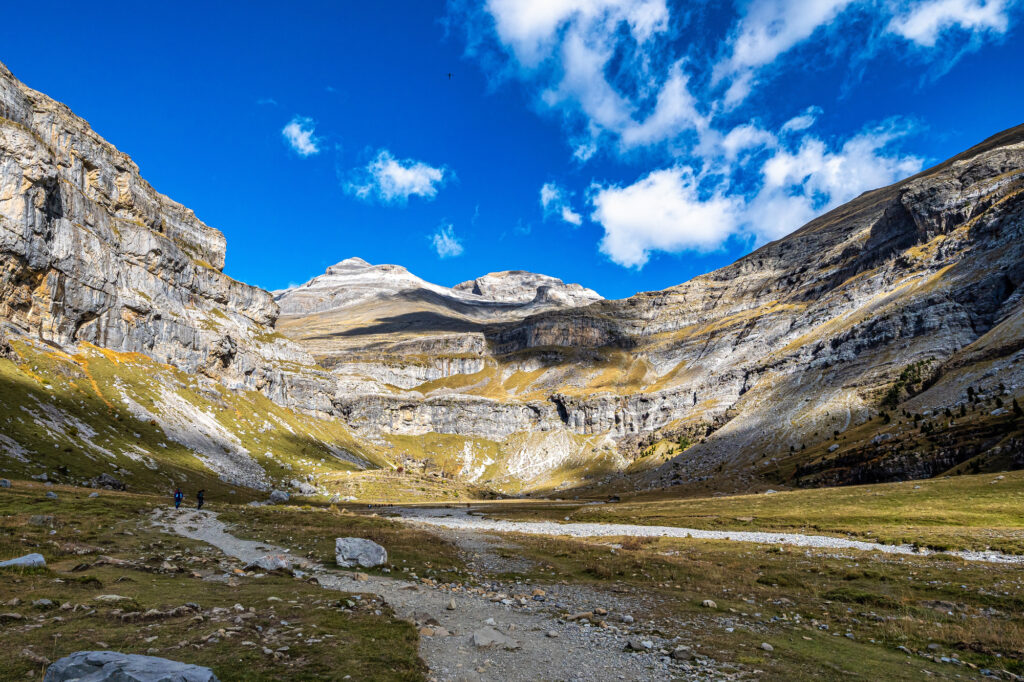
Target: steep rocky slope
[759, 366]
[881, 340]
[89, 251]
[381, 323]
[123, 346]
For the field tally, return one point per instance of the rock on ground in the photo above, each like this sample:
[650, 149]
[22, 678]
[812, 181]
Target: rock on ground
[111, 666]
[272, 562]
[488, 636]
[350, 552]
[278, 497]
[26, 561]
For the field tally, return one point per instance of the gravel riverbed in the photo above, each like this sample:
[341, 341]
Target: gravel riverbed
[468, 519]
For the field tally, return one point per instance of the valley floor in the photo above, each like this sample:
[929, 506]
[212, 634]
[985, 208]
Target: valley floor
[561, 608]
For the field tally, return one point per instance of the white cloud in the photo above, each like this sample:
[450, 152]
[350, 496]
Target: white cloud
[395, 180]
[622, 76]
[623, 79]
[743, 138]
[445, 243]
[661, 212]
[799, 184]
[668, 211]
[923, 22]
[766, 30]
[801, 122]
[299, 133]
[555, 202]
[567, 49]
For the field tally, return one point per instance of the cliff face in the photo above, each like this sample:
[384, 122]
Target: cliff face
[907, 299]
[89, 251]
[788, 348]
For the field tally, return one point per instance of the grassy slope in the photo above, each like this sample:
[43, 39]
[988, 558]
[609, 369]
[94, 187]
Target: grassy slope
[67, 416]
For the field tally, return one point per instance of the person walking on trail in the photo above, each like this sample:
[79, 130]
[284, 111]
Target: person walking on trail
[200, 498]
[178, 497]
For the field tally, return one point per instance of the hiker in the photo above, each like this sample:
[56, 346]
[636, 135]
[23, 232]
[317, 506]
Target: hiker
[199, 499]
[178, 497]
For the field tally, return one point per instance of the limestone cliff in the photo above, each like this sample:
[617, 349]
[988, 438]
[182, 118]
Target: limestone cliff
[90, 252]
[795, 346]
[880, 340]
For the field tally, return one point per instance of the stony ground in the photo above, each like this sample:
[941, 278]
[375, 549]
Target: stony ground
[533, 637]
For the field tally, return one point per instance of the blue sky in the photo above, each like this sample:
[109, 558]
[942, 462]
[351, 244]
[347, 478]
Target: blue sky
[628, 145]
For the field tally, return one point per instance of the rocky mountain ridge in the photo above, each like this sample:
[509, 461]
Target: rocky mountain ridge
[354, 281]
[788, 348]
[777, 367]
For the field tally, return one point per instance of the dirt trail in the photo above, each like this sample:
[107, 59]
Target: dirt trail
[549, 648]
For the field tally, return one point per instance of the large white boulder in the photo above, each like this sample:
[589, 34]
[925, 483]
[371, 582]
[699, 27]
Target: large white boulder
[350, 552]
[27, 561]
[112, 666]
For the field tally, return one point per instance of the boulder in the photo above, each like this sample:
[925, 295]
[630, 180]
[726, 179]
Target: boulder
[105, 480]
[487, 637]
[278, 497]
[303, 487]
[112, 666]
[27, 561]
[4, 483]
[52, 495]
[682, 653]
[351, 552]
[272, 562]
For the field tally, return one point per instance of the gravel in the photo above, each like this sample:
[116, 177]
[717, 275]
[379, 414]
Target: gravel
[578, 651]
[463, 519]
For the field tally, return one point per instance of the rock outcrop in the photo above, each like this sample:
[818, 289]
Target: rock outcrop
[788, 348]
[90, 252]
[519, 286]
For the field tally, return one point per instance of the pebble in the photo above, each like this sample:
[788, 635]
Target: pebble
[709, 604]
[767, 647]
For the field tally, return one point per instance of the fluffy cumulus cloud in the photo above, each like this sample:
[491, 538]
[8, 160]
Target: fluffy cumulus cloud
[672, 210]
[800, 183]
[300, 136]
[663, 211]
[392, 180]
[445, 243]
[555, 202]
[624, 79]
